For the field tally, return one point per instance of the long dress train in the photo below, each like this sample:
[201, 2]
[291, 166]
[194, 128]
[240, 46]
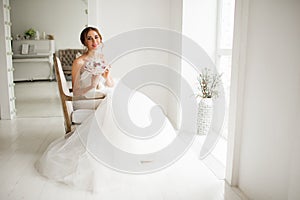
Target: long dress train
[70, 161]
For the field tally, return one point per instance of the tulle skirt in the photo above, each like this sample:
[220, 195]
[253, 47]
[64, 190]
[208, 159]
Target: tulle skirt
[71, 161]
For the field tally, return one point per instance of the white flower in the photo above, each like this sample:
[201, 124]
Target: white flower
[208, 83]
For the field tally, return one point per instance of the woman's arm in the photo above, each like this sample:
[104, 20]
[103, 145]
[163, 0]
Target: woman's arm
[77, 90]
[109, 80]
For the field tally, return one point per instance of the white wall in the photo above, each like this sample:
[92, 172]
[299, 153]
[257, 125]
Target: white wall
[115, 17]
[200, 23]
[63, 18]
[269, 154]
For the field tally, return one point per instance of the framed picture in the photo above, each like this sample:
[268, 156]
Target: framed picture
[31, 49]
[25, 48]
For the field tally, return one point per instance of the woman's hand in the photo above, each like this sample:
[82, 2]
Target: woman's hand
[106, 74]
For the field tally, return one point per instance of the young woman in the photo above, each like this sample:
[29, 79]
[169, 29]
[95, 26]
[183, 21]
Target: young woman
[76, 160]
[86, 81]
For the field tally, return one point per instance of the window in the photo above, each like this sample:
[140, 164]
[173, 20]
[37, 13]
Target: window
[224, 49]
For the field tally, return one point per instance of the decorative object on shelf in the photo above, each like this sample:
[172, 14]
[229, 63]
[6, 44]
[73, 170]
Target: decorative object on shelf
[50, 37]
[37, 35]
[44, 35]
[208, 83]
[30, 33]
[18, 37]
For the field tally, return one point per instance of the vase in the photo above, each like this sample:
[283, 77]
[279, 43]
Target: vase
[205, 114]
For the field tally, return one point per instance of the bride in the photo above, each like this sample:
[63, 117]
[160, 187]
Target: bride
[74, 160]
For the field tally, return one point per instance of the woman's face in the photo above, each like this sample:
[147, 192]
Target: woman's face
[92, 40]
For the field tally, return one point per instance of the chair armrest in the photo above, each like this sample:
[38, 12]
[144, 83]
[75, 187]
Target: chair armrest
[69, 98]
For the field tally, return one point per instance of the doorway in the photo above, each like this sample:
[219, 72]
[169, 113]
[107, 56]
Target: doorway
[33, 96]
[210, 24]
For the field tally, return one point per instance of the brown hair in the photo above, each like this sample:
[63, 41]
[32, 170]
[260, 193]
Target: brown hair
[85, 31]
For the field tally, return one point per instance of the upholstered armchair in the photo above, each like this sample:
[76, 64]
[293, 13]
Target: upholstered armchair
[66, 57]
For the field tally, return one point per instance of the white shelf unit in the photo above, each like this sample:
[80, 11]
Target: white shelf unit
[37, 65]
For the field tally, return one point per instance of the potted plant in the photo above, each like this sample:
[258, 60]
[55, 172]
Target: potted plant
[208, 87]
[30, 33]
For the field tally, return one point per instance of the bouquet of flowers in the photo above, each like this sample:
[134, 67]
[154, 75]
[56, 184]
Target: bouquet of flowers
[208, 84]
[96, 67]
[96, 64]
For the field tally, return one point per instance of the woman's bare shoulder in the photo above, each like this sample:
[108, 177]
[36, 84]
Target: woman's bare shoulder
[79, 62]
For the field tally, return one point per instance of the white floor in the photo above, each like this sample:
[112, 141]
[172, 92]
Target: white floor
[39, 121]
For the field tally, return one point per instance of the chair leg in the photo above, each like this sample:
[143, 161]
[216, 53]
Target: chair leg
[68, 134]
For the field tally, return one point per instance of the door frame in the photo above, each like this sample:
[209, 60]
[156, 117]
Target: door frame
[236, 104]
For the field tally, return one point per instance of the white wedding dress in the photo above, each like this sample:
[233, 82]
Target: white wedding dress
[71, 160]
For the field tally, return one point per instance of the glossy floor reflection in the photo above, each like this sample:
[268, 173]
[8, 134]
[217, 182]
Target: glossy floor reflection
[37, 99]
[23, 140]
